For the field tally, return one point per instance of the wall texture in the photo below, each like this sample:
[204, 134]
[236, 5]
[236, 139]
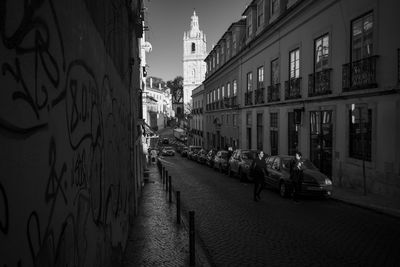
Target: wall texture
[66, 178]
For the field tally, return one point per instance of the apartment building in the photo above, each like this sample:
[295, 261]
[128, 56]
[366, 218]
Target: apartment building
[322, 77]
[197, 120]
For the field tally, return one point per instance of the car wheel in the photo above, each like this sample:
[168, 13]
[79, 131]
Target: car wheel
[283, 190]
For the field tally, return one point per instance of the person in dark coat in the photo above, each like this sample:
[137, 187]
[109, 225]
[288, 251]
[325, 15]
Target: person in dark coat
[296, 175]
[258, 168]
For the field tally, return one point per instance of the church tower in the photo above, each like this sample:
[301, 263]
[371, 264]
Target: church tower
[194, 53]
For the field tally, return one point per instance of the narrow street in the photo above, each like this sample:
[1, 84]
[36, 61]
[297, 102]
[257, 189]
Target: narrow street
[236, 231]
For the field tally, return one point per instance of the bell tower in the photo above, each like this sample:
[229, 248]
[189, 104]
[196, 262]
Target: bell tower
[194, 53]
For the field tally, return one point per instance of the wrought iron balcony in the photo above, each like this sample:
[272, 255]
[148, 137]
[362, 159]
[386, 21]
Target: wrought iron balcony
[227, 102]
[259, 96]
[319, 83]
[234, 101]
[248, 98]
[274, 92]
[359, 74]
[293, 88]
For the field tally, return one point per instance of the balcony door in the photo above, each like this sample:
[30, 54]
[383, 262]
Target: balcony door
[321, 128]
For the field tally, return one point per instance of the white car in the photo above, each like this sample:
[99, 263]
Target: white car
[167, 151]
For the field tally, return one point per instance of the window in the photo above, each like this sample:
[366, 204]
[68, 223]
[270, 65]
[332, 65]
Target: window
[249, 81]
[273, 125]
[222, 52]
[260, 131]
[360, 133]
[228, 89]
[193, 48]
[294, 64]
[260, 13]
[249, 25]
[274, 7]
[228, 47]
[361, 38]
[248, 119]
[260, 77]
[217, 57]
[248, 130]
[233, 43]
[275, 72]
[218, 93]
[234, 118]
[321, 50]
[223, 92]
[234, 87]
[213, 61]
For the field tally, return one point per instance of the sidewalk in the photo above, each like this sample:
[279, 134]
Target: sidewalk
[371, 201]
[155, 238]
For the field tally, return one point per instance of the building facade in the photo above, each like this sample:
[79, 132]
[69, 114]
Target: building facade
[194, 53]
[321, 77]
[197, 119]
[70, 131]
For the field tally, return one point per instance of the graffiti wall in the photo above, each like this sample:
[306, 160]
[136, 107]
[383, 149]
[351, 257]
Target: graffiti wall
[66, 170]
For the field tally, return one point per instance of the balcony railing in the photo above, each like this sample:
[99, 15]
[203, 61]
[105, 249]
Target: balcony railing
[248, 98]
[234, 101]
[259, 96]
[227, 102]
[359, 74]
[274, 92]
[319, 83]
[293, 88]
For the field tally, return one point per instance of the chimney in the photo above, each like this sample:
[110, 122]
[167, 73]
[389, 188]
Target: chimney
[151, 82]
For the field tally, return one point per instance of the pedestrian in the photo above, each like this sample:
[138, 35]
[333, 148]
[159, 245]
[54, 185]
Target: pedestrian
[296, 175]
[258, 168]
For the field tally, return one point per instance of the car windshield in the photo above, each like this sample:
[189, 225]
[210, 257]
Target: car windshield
[248, 155]
[224, 155]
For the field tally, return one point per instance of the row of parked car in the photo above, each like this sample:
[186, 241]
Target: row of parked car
[238, 163]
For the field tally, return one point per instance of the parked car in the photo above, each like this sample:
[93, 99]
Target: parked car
[184, 151]
[167, 151]
[314, 183]
[192, 151]
[221, 160]
[210, 157]
[202, 156]
[240, 163]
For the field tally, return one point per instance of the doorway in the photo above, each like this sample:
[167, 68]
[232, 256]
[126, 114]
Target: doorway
[321, 129]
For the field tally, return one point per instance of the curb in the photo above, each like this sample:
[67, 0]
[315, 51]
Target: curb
[378, 209]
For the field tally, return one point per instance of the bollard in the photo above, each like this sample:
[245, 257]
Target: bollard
[170, 188]
[166, 180]
[178, 207]
[191, 239]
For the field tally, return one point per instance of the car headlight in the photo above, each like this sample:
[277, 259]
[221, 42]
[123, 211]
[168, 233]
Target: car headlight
[328, 181]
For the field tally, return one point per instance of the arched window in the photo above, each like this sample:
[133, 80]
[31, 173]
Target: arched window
[193, 47]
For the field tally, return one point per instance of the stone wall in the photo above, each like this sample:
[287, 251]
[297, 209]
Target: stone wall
[67, 181]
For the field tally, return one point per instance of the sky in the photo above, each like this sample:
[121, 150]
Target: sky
[169, 19]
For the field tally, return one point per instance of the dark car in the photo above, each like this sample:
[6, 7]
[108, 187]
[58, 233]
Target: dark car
[314, 183]
[184, 151]
[210, 157]
[202, 156]
[192, 151]
[240, 163]
[221, 160]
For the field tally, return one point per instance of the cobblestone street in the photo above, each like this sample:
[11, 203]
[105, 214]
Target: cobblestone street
[278, 232]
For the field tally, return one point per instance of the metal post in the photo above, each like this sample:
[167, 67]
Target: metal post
[178, 207]
[166, 180]
[191, 239]
[170, 188]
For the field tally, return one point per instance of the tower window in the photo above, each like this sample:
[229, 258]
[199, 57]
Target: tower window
[193, 47]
